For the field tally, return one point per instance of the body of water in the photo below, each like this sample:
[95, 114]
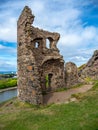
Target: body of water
[6, 95]
[7, 72]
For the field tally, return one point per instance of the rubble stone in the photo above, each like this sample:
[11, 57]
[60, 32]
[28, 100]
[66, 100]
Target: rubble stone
[71, 75]
[36, 61]
[90, 70]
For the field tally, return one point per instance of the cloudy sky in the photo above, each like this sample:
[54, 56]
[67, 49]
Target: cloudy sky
[75, 20]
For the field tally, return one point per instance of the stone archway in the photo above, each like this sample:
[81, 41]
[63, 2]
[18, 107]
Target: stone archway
[52, 75]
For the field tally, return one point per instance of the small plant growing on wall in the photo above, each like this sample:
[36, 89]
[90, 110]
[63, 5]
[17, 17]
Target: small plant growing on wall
[47, 81]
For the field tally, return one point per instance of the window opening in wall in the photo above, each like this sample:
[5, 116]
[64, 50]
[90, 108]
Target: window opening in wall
[47, 43]
[36, 45]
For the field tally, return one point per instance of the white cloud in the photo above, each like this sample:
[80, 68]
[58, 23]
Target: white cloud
[7, 50]
[8, 30]
[80, 37]
[63, 16]
[7, 67]
[8, 63]
[8, 60]
[90, 33]
[2, 47]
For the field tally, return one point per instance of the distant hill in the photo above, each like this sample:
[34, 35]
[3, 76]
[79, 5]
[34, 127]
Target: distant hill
[7, 72]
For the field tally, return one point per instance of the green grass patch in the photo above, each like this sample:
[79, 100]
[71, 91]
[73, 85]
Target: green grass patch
[81, 67]
[64, 89]
[88, 80]
[81, 115]
[61, 89]
[77, 96]
[95, 86]
[6, 83]
[77, 85]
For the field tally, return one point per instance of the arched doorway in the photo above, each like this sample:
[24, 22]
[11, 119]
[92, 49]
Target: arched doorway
[48, 82]
[52, 74]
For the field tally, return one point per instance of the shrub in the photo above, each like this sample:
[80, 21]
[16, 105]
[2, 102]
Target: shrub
[88, 80]
[6, 83]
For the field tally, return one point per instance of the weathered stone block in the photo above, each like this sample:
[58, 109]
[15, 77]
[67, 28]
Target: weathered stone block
[29, 68]
[71, 75]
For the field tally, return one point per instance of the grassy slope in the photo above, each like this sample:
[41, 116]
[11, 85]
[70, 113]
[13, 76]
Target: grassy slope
[80, 115]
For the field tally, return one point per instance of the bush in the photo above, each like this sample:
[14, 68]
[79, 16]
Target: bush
[6, 83]
[47, 81]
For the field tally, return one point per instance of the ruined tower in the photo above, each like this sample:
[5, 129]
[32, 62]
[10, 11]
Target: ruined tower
[40, 69]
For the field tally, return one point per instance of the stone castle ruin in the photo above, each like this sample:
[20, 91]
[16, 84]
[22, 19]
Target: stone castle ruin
[41, 69]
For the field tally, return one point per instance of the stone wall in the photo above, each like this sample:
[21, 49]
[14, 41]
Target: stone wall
[36, 60]
[41, 67]
[71, 75]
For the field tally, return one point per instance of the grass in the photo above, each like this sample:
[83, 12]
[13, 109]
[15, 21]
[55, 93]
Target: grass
[88, 80]
[6, 83]
[79, 115]
[95, 84]
[64, 89]
[81, 67]
[61, 89]
[77, 85]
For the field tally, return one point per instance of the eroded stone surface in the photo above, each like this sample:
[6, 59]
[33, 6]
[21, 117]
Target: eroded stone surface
[71, 75]
[90, 70]
[41, 67]
[36, 61]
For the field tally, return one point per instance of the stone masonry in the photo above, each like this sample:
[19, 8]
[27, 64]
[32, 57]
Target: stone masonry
[40, 69]
[90, 70]
[71, 75]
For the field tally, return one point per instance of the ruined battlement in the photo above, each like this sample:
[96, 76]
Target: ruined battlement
[37, 37]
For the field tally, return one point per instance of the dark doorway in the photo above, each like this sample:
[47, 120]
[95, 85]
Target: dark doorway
[48, 82]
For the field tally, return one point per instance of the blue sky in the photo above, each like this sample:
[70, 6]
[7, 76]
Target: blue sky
[75, 20]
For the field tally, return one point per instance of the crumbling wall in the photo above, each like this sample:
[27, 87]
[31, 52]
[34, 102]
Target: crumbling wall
[71, 75]
[55, 68]
[29, 88]
[36, 61]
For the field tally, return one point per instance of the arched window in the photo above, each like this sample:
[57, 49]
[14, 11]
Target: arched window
[36, 44]
[48, 43]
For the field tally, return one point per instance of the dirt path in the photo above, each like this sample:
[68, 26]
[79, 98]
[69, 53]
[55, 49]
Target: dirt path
[61, 97]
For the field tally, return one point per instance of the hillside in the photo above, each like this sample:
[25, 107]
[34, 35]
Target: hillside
[90, 70]
[79, 115]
